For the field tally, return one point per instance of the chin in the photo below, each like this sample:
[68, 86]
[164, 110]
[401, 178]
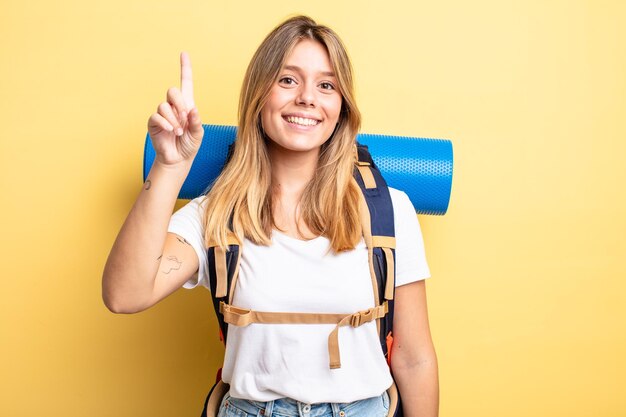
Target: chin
[302, 144]
[297, 148]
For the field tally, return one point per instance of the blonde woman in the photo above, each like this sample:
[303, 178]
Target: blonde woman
[289, 196]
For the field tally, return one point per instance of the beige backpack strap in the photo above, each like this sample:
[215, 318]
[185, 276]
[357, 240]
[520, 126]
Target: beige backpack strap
[366, 226]
[366, 174]
[233, 284]
[221, 269]
[386, 243]
[243, 317]
[354, 320]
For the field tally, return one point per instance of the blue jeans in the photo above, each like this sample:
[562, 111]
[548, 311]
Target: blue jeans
[286, 407]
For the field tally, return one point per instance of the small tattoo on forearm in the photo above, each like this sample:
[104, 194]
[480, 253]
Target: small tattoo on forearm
[182, 240]
[148, 184]
[173, 264]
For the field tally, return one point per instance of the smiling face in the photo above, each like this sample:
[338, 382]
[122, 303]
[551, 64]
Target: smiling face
[304, 103]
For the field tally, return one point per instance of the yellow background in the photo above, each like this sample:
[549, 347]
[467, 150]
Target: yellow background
[527, 297]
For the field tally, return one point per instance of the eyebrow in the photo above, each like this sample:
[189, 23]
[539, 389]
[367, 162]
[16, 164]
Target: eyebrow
[298, 69]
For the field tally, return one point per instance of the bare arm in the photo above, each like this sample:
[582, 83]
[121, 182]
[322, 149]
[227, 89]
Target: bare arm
[413, 358]
[146, 263]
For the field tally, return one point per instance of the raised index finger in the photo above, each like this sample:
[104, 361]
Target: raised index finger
[186, 80]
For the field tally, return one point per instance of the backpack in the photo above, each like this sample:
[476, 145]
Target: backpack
[378, 231]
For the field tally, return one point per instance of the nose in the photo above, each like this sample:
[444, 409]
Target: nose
[306, 95]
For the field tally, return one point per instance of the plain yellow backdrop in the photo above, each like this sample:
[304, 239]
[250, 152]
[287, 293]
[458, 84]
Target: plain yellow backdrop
[526, 301]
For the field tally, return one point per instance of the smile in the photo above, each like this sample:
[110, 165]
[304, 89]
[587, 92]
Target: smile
[302, 121]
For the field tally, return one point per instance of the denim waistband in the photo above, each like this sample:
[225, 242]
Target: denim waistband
[288, 407]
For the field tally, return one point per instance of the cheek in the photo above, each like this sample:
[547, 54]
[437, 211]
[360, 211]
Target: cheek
[334, 109]
[265, 118]
[277, 98]
[269, 109]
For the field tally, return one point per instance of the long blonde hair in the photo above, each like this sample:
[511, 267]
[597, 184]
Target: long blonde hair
[240, 199]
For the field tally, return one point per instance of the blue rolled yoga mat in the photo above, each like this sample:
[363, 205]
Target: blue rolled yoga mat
[422, 168]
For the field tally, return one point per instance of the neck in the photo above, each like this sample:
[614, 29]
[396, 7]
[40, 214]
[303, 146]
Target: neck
[292, 171]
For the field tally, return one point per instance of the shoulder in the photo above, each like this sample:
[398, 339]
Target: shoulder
[398, 195]
[188, 221]
[411, 264]
[402, 205]
[193, 209]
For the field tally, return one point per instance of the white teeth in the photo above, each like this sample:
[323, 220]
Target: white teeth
[302, 121]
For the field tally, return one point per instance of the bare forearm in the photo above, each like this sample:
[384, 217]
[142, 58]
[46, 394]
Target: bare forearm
[419, 388]
[128, 278]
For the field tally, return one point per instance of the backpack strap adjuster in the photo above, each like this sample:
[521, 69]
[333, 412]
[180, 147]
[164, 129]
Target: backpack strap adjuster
[368, 315]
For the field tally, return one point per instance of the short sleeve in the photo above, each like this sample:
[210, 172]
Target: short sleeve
[187, 223]
[411, 262]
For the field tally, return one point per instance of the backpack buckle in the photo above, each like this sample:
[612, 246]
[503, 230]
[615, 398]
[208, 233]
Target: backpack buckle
[361, 317]
[365, 316]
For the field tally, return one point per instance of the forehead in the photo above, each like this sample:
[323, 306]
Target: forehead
[310, 56]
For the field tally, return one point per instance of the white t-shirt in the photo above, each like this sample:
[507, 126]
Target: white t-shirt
[264, 362]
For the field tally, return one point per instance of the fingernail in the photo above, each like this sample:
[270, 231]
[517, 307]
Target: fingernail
[179, 132]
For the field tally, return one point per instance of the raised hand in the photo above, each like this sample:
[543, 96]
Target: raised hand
[176, 129]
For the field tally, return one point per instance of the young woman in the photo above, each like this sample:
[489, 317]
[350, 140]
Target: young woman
[289, 196]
